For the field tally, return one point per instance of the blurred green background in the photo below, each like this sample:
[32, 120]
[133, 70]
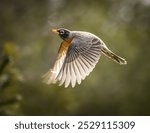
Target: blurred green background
[28, 49]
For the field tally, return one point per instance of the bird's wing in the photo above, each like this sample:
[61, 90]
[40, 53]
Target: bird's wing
[80, 60]
[50, 76]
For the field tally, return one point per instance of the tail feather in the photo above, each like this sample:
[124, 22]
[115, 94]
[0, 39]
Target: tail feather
[113, 56]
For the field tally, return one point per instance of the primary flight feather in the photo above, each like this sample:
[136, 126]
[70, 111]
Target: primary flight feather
[77, 56]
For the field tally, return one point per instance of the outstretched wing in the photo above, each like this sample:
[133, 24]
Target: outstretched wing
[50, 76]
[80, 60]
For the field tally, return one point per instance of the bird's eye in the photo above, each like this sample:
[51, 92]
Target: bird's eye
[62, 32]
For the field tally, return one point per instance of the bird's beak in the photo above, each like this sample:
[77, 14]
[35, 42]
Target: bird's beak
[55, 31]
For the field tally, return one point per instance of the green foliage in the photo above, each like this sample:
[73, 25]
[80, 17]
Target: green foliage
[28, 48]
[9, 79]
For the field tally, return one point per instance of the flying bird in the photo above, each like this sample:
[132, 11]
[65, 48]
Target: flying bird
[77, 56]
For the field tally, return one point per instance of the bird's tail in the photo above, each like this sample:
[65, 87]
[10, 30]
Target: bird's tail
[113, 56]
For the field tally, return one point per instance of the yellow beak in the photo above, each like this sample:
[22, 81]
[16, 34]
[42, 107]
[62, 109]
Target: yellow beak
[55, 31]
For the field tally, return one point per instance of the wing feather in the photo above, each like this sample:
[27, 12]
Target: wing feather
[68, 76]
[73, 75]
[81, 59]
[78, 61]
[77, 72]
[63, 77]
[86, 69]
[80, 68]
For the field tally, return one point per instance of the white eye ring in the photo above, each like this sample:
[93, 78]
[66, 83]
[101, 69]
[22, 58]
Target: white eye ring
[62, 32]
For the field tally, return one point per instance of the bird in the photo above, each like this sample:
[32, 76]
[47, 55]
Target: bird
[77, 56]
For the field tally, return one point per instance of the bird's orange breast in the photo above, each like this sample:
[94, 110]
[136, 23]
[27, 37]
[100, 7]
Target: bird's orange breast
[63, 48]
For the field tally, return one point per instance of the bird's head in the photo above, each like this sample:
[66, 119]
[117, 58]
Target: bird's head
[63, 33]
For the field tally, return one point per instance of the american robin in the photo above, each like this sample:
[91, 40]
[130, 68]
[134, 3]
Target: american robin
[77, 56]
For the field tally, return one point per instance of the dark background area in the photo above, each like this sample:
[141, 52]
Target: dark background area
[28, 49]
